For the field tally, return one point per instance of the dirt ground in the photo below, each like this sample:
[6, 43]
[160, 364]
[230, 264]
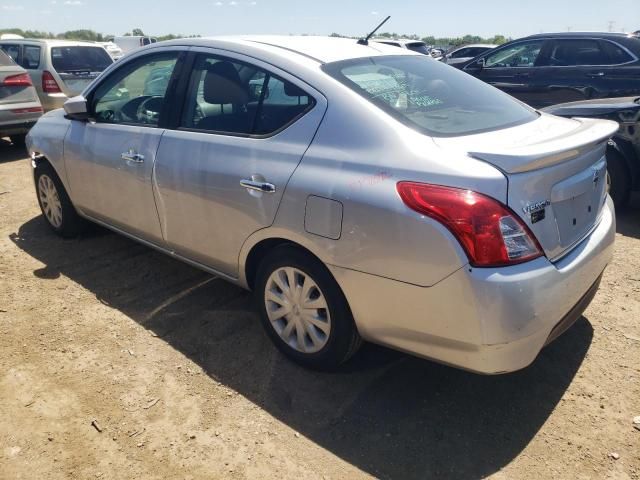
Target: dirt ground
[118, 362]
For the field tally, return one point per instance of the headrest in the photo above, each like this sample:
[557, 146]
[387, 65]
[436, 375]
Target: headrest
[292, 90]
[222, 85]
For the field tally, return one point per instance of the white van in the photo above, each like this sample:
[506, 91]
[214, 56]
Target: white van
[130, 43]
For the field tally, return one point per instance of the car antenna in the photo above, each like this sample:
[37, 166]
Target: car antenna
[365, 40]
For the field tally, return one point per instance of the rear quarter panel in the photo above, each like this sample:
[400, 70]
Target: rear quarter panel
[357, 157]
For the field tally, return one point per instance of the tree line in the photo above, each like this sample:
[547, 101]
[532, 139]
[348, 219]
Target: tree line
[92, 36]
[84, 34]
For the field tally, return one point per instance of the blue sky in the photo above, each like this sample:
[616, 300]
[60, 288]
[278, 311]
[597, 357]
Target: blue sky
[352, 17]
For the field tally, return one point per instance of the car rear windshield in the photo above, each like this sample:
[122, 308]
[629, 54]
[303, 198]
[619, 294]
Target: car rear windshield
[430, 96]
[80, 59]
[5, 60]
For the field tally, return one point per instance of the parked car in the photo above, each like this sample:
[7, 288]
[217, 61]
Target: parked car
[461, 55]
[623, 151]
[364, 192]
[129, 43]
[547, 69]
[414, 45]
[112, 49]
[59, 69]
[19, 104]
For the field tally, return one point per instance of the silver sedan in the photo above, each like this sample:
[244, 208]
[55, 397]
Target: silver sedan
[363, 192]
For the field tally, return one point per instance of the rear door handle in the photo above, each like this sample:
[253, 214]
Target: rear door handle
[258, 186]
[595, 74]
[132, 156]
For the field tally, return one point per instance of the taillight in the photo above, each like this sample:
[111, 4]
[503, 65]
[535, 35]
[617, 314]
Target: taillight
[490, 233]
[21, 80]
[49, 84]
[27, 110]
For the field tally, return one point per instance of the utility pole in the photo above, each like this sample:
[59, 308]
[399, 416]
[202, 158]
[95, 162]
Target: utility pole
[611, 24]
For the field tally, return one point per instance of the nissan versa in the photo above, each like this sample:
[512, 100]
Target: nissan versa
[363, 192]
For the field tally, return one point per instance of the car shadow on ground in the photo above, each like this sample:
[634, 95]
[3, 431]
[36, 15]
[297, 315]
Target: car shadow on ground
[628, 220]
[10, 152]
[389, 414]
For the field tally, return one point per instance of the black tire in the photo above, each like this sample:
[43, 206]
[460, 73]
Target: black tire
[619, 180]
[343, 339]
[71, 223]
[18, 140]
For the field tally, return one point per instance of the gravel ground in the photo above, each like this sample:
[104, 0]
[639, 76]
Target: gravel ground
[119, 362]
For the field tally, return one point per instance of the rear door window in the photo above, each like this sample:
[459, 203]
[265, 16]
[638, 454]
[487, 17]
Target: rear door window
[80, 59]
[227, 96]
[576, 52]
[31, 57]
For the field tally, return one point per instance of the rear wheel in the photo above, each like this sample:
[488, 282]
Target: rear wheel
[55, 204]
[618, 179]
[303, 310]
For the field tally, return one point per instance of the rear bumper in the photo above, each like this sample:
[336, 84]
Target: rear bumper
[493, 320]
[52, 101]
[18, 128]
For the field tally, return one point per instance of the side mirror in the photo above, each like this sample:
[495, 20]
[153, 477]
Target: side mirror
[76, 109]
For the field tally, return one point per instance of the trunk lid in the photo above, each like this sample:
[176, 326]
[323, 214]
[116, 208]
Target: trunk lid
[556, 172]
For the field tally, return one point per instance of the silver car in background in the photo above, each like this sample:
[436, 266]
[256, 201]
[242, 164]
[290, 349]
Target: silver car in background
[463, 54]
[363, 192]
[19, 104]
[59, 69]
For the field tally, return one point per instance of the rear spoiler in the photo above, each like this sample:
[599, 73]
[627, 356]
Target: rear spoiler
[588, 134]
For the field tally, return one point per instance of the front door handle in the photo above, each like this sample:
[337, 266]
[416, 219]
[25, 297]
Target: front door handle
[132, 156]
[595, 74]
[260, 186]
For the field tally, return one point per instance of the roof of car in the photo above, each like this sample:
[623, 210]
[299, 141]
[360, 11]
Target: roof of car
[477, 45]
[402, 41]
[581, 34]
[320, 49]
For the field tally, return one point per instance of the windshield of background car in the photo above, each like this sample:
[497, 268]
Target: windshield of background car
[80, 59]
[418, 47]
[430, 96]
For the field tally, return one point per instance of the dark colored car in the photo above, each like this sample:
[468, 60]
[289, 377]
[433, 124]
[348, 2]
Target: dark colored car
[623, 152]
[548, 69]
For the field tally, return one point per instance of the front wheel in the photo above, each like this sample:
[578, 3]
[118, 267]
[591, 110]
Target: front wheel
[55, 204]
[303, 310]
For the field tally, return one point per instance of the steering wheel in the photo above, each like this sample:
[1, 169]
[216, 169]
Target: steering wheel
[148, 110]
